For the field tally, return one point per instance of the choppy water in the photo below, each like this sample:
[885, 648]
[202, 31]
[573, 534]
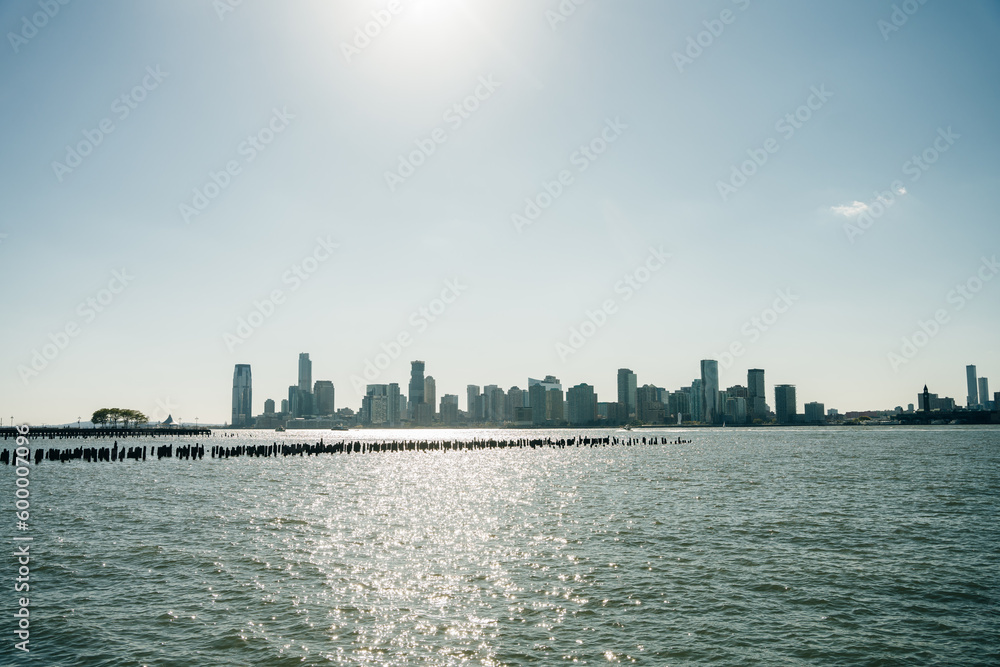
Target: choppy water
[747, 546]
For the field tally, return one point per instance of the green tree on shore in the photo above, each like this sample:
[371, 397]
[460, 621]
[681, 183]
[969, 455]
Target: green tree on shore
[105, 416]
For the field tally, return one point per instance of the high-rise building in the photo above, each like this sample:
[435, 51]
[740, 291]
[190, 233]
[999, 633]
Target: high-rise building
[756, 394]
[242, 396]
[269, 406]
[430, 393]
[449, 409]
[471, 401]
[537, 402]
[514, 400]
[680, 404]
[784, 403]
[284, 406]
[970, 378]
[375, 405]
[697, 401]
[627, 390]
[649, 409]
[554, 405]
[493, 403]
[323, 398]
[984, 392]
[305, 373]
[711, 411]
[395, 404]
[815, 413]
[416, 387]
[582, 405]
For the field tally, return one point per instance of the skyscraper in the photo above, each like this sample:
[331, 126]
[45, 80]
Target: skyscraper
[269, 406]
[471, 400]
[970, 377]
[430, 393]
[582, 405]
[627, 390]
[323, 397]
[984, 392]
[756, 394]
[305, 373]
[416, 387]
[784, 403]
[711, 411]
[242, 396]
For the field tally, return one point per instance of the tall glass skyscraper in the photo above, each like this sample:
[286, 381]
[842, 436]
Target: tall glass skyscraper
[756, 394]
[305, 373]
[710, 391]
[627, 390]
[784, 403]
[242, 396]
[416, 387]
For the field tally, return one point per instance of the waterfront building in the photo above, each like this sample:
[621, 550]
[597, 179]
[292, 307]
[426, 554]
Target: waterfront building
[710, 391]
[582, 409]
[242, 396]
[736, 409]
[395, 404]
[756, 394]
[323, 397]
[449, 409]
[815, 413]
[628, 390]
[649, 408]
[680, 404]
[970, 378]
[784, 403]
[697, 399]
[430, 393]
[471, 402]
[416, 387]
[269, 406]
[984, 392]
[514, 399]
[284, 406]
[305, 373]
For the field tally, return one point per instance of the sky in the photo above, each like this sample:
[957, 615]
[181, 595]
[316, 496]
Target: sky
[501, 189]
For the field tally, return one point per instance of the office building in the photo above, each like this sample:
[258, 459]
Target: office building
[430, 393]
[284, 406]
[375, 405]
[472, 402]
[323, 398]
[784, 403]
[269, 406]
[515, 399]
[582, 405]
[815, 413]
[649, 409]
[679, 404]
[305, 373]
[711, 411]
[449, 409]
[242, 396]
[697, 399]
[554, 405]
[984, 392]
[628, 390]
[416, 387]
[537, 402]
[970, 378]
[395, 404]
[756, 394]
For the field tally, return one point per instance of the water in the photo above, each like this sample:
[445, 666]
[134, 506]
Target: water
[745, 547]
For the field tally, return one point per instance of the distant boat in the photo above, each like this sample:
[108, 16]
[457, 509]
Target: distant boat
[627, 427]
[280, 429]
[339, 428]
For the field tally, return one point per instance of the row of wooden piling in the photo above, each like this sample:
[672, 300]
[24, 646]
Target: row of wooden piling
[197, 452]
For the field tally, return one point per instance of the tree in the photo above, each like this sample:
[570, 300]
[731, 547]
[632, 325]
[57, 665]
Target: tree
[115, 415]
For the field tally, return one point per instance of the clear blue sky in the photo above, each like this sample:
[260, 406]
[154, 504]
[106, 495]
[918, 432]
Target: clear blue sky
[330, 121]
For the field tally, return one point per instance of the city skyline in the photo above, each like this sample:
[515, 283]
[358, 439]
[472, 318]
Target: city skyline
[806, 189]
[702, 401]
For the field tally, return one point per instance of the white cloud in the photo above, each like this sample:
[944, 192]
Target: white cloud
[850, 210]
